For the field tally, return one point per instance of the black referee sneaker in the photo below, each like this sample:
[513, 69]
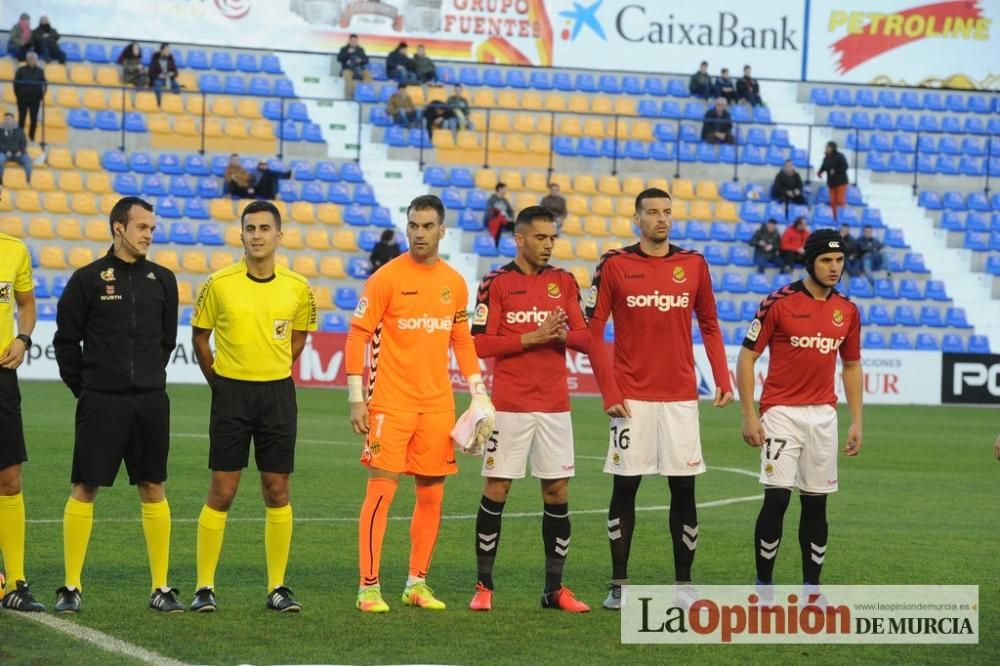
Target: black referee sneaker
[123, 309]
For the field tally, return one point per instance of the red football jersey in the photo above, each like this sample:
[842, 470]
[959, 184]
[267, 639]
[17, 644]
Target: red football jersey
[511, 303]
[805, 336]
[651, 301]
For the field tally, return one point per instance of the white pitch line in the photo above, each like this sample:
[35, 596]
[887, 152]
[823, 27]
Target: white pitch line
[99, 638]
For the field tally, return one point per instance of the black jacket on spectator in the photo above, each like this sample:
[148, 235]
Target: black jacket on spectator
[43, 32]
[716, 122]
[850, 247]
[351, 60]
[397, 59]
[762, 235]
[127, 322]
[725, 88]
[835, 168]
[747, 88]
[156, 69]
[436, 110]
[12, 140]
[266, 185]
[29, 83]
[868, 246]
[382, 254]
[784, 182]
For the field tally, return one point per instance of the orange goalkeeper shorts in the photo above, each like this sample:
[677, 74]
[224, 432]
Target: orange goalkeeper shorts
[410, 442]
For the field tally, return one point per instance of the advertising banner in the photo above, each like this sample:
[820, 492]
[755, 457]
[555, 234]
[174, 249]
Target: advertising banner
[970, 379]
[953, 44]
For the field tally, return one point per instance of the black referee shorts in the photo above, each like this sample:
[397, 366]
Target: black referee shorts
[263, 411]
[12, 451]
[111, 427]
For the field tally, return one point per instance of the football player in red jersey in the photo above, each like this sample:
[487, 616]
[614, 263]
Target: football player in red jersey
[806, 324]
[651, 290]
[526, 315]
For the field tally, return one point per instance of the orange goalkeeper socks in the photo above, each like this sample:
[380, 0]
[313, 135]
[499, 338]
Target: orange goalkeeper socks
[371, 527]
[424, 527]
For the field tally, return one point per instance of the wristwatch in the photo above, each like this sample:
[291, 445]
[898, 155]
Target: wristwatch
[26, 339]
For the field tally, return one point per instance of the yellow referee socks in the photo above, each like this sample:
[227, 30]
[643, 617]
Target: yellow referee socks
[12, 538]
[78, 519]
[277, 541]
[156, 527]
[211, 527]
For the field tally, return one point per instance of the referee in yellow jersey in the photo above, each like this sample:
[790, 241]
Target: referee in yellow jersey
[261, 314]
[16, 288]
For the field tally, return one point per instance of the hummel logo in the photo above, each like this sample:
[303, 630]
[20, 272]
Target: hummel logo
[634, 276]
[150, 275]
[409, 293]
[519, 292]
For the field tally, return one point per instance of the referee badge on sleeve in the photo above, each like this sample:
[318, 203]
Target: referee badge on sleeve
[281, 327]
[754, 331]
[6, 291]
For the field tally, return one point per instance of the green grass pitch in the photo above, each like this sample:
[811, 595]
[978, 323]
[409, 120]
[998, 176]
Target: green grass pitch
[919, 505]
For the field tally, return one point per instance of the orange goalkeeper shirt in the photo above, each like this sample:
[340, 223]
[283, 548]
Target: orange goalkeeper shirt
[412, 314]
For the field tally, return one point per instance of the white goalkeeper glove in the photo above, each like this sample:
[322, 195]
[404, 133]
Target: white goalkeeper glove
[475, 427]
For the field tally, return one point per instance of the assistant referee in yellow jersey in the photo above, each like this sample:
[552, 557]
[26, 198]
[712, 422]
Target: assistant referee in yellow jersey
[261, 314]
[16, 288]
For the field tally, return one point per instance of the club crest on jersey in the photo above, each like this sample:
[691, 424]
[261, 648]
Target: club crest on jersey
[281, 328]
[553, 290]
[446, 295]
[480, 315]
[838, 318]
[6, 292]
[490, 462]
[616, 459]
[769, 469]
[679, 275]
[753, 332]
[359, 311]
[108, 275]
[372, 448]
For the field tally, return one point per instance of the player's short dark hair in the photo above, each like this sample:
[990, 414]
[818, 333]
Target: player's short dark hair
[867, 226]
[832, 144]
[499, 185]
[427, 202]
[353, 35]
[530, 215]
[704, 62]
[120, 211]
[650, 193]
[771, 220]
[262, 207]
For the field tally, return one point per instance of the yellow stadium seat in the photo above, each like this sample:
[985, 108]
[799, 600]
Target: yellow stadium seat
[513, 180]
[562, 180]
[496, 144]
[609, 185]
[594, 128]
[222, 210]
[195, 261]
[555, 102]
[601, 104]
[584, 184]
[223, 106]
[586, 249]
[679, 209]
[416, 93]
[235, 128]
[437, 94]
[95, 100]
[444, 140]
[262, 129]
[507, 99]
[291, 239]
[195, 105]
[524, 200]
[55, 119]
[708, 190]
[303, 213]
[44, 181]
[98, 231]
[55, 73]
[328, 213]
[305, 265]
[622, 227]
[174, 105]
[108, 75]
[595, 225]
[60, 158]
[683, 189]
[57, 203]
[641, 130]
[582, 276]
[52, 256]
[544, 126]
[15, 179]
[570, 126]
[632, 185]
[188, 80]
[233, 235]
[515, 144]
[625, 106]
[7, 70]
[478, 119]
[577, 204]
[220, 259]
[659, 183]
[248, 108]
[316, 239]
[71, 182]
[486, 179]
[625, 206]
[80, 256]
[81, 75]
[572, 226]
[500, 122]
[539, 145]
[145, 101]
[532, 101]
[466, 140]
[701, 210]
[332, 267]
[344, 240]
[88, 160]
[282, 259]
[602, 205]
[99, 183]
[159, 124]
[7, 203]
[726, 212]
[562, 249]
[484, 99]
[83, 203]
[28, 201]
[108, 202]
[12, 226]
[536, 182]
[323, 297]
[41, 228]
[278, 203]
[186, 126]
[611, 244]
[185, 292]
[120, 100]
[214, 128]
[579, 104]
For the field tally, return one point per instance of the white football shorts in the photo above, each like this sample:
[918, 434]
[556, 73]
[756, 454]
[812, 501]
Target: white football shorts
[660, 438]
[546, 438]
[800, 448]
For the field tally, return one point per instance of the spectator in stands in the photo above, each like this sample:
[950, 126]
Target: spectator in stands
[555, 203]
[852, 262]
[163, 72]
[787, 186]
[499, 215]
[748, 89]
[29, 89]
[718, 127]
[133, 71]
[725, 87]
[870, 253]
[236, 180]
[793, 244]
[385, 250]
[265, 184]
[460, 109]
[700, 84]
[436, 116]
[424, 67]
[353, 65]
[13, 146]
[45, 41]
[20, 38]
[399, 65]
[835, 167]
[401, 108]
[765, 243]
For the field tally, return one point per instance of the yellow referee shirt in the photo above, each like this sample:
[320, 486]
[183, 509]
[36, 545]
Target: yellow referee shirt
[253, 320]
[15, 275]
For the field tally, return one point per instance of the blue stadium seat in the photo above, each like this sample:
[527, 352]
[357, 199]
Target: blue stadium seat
[838, 119]
[979, 104]
[338, 193]
[59, 285]
[41, 287]
[180, 187]
[284, 88]
[469, 221]
[133, 122]
[976, 242]
[910, 290]
[927, 342]
[195, 59]
[350, 172]
[722, 232]
[884, 288]
[564, 145]
[696, 111]
[492, 78]
[80, 119]
[706, 152]
[930, 315]
[955, 318]
[312, 192]
[934, 290]
[210, 83]
[820, 97]
[906, 122]
[758, 283]
[96, 53]
[861, 120]
[359, 268]
[697, 231]
[900, 341]
[748, 310]
[879, 315]
[753, 212]
[476, 200]
[647, 109]
[563, 82]
[928, 124]
[930, 200]
[636, 150]
[754, 155]
[436, 176]
[842, 97]
[664, 132]
[734, 283]
[333, 322]
[516, 79]
[678, 88]
[234, 85]
[953, 201]
[452, 198]
[714, 254]
[186, 315]
[270, 64]
[952, 221]
[287, 191]
[356, 215]
[508, 247]
[210, 187]
[728, 311]
[952, 344]
[979, 344]
[974, 126]
[973, 147]
[126, 184]
[912, 261]
[884, 122]
[878, 162]
[287, 131]
[663, 152]
[312, 133]
[951, 125]
[859, 287]
[181, 234]
[365, 93]
[859, 142]
[210, 234]
[72, 50]
[972, 166]
[346, 298]
[740, 255]
[933, 101]
[140, 162]
[762, 115]
[865, 97]
[195, 209]
[631, 85]
[462, 177]
[955, 103]
[608, 84]
[874, 340]
[654, 86]
[397, 137]
[540, 80]
[906, 316]
[247, 63]
[484, 246]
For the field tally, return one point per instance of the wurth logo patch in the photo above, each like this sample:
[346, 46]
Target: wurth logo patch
[662, 302]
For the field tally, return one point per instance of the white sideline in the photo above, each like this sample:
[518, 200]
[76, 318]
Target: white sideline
[99, 638]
